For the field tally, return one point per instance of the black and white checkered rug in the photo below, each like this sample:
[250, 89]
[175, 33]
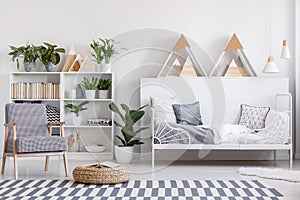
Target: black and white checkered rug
[138, 189]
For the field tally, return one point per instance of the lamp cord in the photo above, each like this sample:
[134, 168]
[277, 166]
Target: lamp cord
[270, 27]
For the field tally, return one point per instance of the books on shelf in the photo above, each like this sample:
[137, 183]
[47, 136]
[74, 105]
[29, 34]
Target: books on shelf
[38, 90]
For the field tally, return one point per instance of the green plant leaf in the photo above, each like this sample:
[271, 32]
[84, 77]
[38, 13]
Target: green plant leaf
[112, 106]
[134, 142]
[141, 129]
[122, 140]
[118, 124]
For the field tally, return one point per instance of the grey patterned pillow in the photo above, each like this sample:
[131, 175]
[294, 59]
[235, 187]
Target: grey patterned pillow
[188, 113]
[253, 117]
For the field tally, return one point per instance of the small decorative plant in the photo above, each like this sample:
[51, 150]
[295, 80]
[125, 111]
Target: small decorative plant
[76, 108]
[98, 54]
[127, 123]
[29, 53]
[104, 49]
[90, 84]
[104, 84]
[49, 53]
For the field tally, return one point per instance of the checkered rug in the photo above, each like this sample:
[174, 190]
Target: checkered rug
[138, 189]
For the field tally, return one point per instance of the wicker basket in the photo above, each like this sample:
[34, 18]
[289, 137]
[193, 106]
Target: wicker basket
[96, 174]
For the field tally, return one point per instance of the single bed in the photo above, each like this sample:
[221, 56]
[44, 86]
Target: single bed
[220, 100]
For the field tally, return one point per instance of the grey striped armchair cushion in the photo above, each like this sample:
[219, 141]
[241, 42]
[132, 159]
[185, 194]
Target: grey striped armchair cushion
[31, 122]
[31, 119]
[41, 144]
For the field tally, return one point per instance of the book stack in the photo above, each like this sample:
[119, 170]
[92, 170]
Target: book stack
[37, 90]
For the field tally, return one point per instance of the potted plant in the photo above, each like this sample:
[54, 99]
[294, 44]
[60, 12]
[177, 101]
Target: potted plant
[98, 54]
[103, 86]
[49, 55]
[76, 109]
[104, 50]
[90, 87]
[128, 138]
[29, 53]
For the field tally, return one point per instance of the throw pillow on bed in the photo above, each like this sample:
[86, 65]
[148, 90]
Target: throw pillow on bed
[188, 114]
[253, 117]
[163, 108]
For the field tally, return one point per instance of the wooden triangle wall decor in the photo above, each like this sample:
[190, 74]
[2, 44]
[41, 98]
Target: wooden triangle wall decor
[76, 64]
[87, 65]
[233, 51]
[180, 53]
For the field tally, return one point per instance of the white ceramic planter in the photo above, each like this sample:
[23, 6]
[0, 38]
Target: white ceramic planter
[76, 120]
[124, 155]
[103, 94]
[90, 94]
[103, 67]
[106, 67]
[98, 67]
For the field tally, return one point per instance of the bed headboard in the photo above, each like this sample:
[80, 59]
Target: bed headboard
[220, 97]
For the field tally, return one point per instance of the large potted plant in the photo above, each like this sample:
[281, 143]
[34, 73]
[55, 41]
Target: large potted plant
[103, 86]
[76, 109]
[28, 53]
[104, 50]
[128, 137]
[90, 86]
[49, 56]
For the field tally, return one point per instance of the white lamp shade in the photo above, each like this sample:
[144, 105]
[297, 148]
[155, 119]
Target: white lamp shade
[285, 52]
[270, 66]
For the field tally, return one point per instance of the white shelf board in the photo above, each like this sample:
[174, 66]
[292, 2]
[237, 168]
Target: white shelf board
[86, 126]
[86, 73]
[35, 99]
[87, 99]
[35, 73]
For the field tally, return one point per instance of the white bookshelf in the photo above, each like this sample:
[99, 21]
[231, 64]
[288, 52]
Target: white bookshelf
[97, 108]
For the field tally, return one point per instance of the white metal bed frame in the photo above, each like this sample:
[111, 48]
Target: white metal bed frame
[241, 147]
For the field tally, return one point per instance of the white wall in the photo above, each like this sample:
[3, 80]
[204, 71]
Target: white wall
[210, 23]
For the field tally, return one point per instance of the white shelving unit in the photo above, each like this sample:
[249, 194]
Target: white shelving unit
[96, 108]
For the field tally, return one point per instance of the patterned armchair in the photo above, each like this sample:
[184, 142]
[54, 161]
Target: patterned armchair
[28, 133]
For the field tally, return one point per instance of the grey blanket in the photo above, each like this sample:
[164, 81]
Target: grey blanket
[172, 133]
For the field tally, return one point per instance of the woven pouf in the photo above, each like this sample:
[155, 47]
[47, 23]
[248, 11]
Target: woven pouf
[96, 174]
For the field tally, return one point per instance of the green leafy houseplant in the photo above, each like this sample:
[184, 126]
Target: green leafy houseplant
[29, 53]
[76, 108]
[98, 54]
[127, 125]
[104, 49]
[49, 53]
[104, 84]
[90, 84]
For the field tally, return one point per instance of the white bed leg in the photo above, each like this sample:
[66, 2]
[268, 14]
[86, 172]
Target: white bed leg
[153, 157]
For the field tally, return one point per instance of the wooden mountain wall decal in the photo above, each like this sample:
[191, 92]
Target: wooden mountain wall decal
[233, 51]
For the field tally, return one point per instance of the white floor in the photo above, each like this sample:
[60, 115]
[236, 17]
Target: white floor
[193, 170]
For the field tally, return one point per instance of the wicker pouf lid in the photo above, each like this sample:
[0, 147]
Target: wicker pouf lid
[96, 174]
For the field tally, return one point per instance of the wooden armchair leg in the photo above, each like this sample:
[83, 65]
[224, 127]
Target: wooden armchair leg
[66, 163]
[15, 167]
[47, 163]
[3, 163]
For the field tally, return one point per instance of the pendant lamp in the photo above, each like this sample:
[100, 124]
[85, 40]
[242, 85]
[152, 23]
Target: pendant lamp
[285, 52]
[270, 66]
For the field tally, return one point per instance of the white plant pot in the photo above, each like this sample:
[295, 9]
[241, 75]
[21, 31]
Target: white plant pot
[98, 67]
[103, 94]
[90, 94]
[106, 67]
[76, 120]
[124, 155]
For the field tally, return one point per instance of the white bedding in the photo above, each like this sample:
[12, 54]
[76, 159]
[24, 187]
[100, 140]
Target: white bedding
[275, 132]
